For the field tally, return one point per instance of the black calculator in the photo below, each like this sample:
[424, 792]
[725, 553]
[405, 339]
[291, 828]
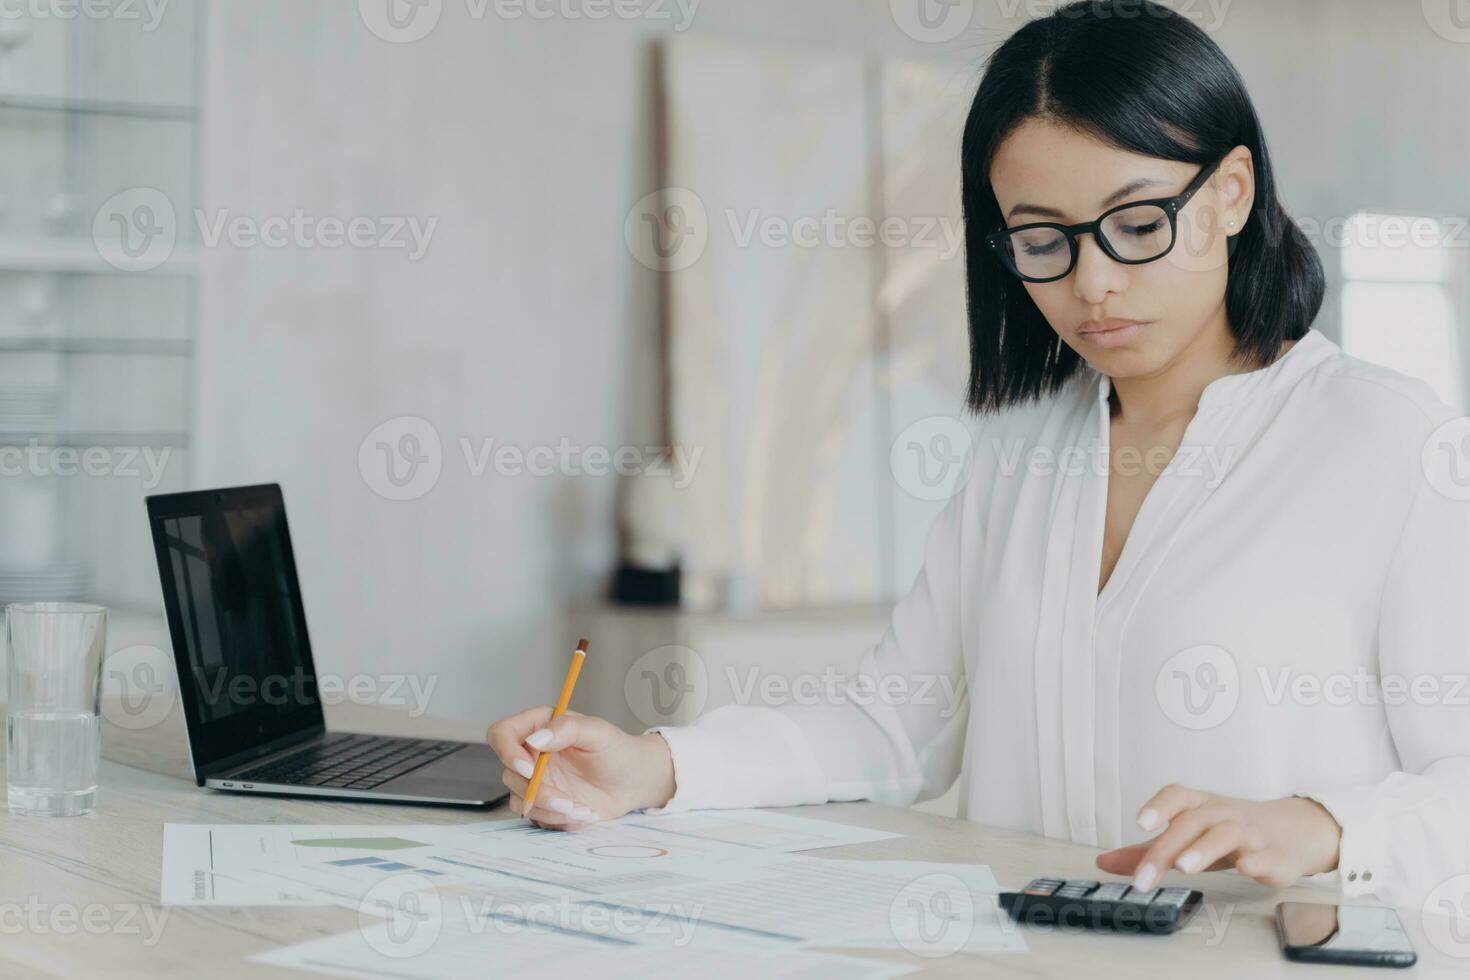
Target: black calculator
[1093, 905]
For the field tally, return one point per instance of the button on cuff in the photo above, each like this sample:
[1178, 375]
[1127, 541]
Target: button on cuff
[1361, 847]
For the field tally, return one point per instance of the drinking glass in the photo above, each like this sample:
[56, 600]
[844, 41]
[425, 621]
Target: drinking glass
[53, 727]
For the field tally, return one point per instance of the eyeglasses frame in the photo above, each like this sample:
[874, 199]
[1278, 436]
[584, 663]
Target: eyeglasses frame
[1171, 206]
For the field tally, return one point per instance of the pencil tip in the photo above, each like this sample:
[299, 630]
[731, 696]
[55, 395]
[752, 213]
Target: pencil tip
[581, 646]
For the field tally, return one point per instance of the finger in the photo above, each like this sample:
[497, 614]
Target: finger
[1186, 828]
[1215, 845]
[1266, 866]
[1168, 803]
[1124, 860]
[549, 797]
[565, 825]
[576, 820]
[582, 823]
[507, 737]
[568, 731]
[548, 817]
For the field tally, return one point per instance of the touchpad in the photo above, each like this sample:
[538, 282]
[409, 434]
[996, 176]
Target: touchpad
[472, 775]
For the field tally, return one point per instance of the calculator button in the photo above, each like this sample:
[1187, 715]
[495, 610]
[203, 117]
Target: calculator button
[1142, 898]
[1111, 892]
[1039, 889]
[1173, 896]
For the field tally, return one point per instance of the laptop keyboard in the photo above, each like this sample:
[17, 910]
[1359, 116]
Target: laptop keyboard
[351, 761]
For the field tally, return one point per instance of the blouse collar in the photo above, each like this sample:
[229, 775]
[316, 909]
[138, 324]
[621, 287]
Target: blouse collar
[1309, 351]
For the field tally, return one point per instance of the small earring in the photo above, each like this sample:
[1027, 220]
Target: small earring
[1232, 222]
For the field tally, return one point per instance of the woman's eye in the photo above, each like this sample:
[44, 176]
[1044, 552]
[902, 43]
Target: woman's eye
[1045, 248]
[1141, 231]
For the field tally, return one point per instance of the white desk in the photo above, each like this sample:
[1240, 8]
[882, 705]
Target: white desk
[112, 859]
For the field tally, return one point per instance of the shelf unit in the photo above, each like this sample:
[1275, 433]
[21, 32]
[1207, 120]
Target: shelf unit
[92, 354]
[63, 255]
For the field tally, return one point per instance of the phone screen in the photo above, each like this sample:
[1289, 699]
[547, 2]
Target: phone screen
[1342, 928]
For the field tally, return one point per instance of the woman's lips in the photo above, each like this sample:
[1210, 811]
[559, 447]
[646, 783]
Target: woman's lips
[1111, 333]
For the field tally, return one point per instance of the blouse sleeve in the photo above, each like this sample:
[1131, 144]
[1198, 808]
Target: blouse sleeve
[895, 735]
[1409, 833]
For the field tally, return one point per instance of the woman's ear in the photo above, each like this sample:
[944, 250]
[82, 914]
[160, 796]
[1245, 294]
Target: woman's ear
[1235, 182]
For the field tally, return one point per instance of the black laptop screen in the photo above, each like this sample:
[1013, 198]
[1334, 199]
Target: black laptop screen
[236, 619]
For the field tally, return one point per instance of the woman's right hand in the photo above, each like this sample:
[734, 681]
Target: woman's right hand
[596, 771]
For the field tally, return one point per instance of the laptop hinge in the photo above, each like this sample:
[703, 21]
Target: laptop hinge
[256, 753]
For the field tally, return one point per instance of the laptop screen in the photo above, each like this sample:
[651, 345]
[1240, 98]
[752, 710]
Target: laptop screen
[236, 619]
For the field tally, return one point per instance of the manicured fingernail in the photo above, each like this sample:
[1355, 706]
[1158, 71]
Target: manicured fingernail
[580, 813]
[539, 738]
[1188, 862]
[523, 767]
[1148, 819]
[560, 806]
[1144, 879]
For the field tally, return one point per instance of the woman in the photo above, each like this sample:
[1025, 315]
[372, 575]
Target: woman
[1203, 655]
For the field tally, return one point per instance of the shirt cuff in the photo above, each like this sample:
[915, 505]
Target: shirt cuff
[1360, 852]
[690, 754]
[741, 756]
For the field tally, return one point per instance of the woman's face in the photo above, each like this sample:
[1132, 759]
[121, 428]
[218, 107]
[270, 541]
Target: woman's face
[1044, 171]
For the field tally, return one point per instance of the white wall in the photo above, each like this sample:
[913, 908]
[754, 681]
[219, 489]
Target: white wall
[1365, 106]
[528, 322]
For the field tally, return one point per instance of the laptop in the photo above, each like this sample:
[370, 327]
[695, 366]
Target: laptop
[247, 682]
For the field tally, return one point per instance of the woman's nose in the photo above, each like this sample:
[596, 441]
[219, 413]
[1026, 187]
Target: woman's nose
[1096, 274]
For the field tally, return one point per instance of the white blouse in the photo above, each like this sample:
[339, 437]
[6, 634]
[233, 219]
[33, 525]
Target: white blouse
[1288, 616]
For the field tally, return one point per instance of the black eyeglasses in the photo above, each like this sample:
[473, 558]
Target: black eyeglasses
[1132, 233]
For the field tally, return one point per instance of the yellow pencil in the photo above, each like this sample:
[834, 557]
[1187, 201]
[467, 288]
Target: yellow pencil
[542, 758]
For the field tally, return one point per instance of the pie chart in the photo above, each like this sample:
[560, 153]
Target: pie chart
[627, 851]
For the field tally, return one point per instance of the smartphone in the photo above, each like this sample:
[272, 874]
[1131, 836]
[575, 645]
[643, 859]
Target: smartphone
[1365, 935]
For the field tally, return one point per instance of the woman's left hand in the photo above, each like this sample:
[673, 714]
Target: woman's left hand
[1275, 842]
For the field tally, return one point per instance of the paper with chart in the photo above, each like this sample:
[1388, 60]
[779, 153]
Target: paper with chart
[929, 909]
[729, 891]
[827, 902]
[525, 898]
[216, 864]
[720, 886]
[372, 954]
[210, 864]
[513, 858]
[444, 933]
[958, 907]
[515, 863]
[761, 830]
